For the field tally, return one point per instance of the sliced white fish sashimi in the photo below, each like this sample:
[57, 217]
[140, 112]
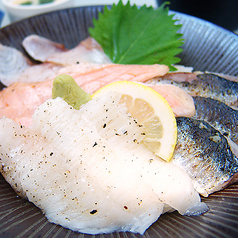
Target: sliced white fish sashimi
[45, 50]
[36, 73]
[87, 51]
[40, 48]
[12, 63]
[15, 67]
[85, 171]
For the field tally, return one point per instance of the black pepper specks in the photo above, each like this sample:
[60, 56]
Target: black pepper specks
[136, 141]
[93, 212]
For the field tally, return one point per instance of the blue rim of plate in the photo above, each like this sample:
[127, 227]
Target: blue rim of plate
[207, 48]
[1, 16]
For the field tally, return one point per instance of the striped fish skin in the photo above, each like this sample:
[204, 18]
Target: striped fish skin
[218, 88]
[204, 153]
[205, 85]
[219, 115]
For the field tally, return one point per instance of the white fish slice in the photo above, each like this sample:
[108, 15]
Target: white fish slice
[40, 48]
[45, 50]
[12, 63]
[88, 179]
[15, 67]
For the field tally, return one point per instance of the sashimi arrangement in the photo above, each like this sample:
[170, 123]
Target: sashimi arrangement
[103, 139]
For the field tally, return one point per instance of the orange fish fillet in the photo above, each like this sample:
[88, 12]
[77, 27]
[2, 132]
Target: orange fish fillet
[19, 100]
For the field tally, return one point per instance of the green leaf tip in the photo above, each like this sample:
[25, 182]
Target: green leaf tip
[132, 35]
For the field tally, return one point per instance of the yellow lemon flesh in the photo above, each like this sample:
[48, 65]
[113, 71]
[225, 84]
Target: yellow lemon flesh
[151, 111]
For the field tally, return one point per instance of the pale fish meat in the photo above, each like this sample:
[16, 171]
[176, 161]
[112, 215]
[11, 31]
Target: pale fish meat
[9, 58]
[92, 188]
[40, 48]
[15, 67]
[45, 50]
[204, 153]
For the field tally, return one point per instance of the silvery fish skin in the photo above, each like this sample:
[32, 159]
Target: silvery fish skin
[206, 85]
[219, 115]
[218, 88]
[204, 153]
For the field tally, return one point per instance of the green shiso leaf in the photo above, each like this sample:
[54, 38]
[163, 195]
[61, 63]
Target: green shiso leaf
[132, 35]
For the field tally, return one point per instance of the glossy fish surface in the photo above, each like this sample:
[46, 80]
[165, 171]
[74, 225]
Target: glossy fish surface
[218, 88]
[218, 115]
[207, 85]
[204, 153]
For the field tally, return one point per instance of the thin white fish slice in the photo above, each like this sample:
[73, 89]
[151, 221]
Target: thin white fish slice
[88, 179]
[45, 50]
[12, 63]
[40, 48]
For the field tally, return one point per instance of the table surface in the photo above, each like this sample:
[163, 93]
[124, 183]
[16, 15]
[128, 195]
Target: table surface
[77, 3]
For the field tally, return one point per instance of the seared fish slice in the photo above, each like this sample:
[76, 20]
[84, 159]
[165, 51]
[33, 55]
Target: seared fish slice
[204, 153]
[218, 115]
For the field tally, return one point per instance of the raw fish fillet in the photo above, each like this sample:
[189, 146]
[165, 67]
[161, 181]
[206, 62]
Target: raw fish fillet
[204, 85]
[40, 48]
[9, 58]
[179, 100]
[88, 178]
[216, 87]
[222, 117]
[15, 67]
[205, 155]
[45, 50]
[218, 115]
[97, 76]
[19, 96]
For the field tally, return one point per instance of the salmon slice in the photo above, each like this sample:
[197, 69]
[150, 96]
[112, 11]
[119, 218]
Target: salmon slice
[94, 79]
[180, 101]
[90, 77]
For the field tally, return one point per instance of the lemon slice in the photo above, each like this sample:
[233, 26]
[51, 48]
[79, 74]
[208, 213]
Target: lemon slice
[151, 111]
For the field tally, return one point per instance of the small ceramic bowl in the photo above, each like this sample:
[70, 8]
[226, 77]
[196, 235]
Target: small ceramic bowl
[17, 12]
